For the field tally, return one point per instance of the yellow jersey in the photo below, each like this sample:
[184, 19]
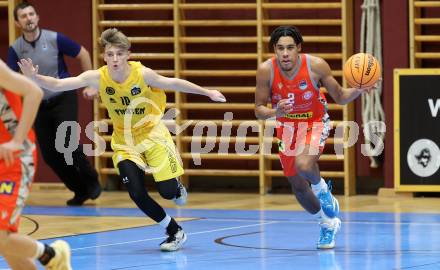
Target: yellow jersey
[133, 106]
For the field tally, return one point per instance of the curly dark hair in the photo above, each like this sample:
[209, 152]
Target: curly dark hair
[285, 31]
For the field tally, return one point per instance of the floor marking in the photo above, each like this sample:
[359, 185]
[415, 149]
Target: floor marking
[162, 237]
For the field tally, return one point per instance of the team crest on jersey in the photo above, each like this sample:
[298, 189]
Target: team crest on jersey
[302, 84]
[135, 90]
[276, 97]
[280, 85]
[307, 95]
[110, 90]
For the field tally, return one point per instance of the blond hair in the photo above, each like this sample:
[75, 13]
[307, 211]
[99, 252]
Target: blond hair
[114, 37]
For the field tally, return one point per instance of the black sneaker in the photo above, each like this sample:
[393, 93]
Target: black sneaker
[94, 191]
[77, 200]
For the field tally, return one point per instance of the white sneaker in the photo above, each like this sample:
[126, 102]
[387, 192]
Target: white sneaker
[174, 242]
[329, 203]
[328, 231]
[61, 261]
[183, 198]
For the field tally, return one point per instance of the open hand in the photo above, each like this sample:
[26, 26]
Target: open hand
[8, 151]
[371, 88]
[28, 69]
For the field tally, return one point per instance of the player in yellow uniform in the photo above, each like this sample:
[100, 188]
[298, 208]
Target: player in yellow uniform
[130, 92]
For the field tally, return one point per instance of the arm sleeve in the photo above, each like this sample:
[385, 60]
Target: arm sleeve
[12, 59]
[67, 46]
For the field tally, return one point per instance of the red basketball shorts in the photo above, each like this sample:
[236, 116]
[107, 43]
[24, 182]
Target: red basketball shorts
[15, 183]
[293, 137]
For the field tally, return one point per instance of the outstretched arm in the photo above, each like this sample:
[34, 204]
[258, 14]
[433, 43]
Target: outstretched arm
[85, 79]
[339, 94]
[32, 95]
[156, 80]
[86, 64]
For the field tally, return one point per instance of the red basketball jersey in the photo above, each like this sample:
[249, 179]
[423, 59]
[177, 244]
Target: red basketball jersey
[309, 105]
[10, 108]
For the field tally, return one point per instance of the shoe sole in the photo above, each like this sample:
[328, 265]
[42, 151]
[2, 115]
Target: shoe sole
[326, 246]
[75, 203]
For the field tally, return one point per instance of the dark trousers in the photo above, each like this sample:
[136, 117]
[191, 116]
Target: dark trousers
[80, 177]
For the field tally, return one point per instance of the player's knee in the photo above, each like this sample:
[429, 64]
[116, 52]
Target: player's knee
[168, 189]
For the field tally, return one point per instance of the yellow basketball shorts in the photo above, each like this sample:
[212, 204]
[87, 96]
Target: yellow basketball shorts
[153, 151]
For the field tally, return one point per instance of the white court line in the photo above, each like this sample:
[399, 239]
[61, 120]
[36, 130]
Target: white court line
[246, 226]
[194, 233]
[343, 222]
[158, 238]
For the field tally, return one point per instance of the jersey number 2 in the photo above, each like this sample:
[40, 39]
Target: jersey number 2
[291, 97]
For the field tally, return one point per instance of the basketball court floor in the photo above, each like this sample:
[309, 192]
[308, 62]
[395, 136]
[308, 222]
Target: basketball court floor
[240, 231]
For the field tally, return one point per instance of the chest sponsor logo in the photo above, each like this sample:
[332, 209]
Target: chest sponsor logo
[112, 100]
[308, 95]
[299, 116]
[7, 187]
[135, 111]
[302, 84]
[135, 90]
[110, 90]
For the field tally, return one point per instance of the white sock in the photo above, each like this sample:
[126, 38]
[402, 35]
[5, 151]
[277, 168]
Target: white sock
[40, 250]
[321, 186]
[165, 221]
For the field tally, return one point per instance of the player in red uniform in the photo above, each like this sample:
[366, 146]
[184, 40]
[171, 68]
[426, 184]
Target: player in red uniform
[17, 168]
[291, 80]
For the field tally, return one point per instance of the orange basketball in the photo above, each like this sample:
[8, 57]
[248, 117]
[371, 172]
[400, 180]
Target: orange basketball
[362, 70]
